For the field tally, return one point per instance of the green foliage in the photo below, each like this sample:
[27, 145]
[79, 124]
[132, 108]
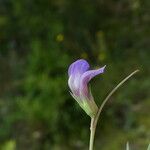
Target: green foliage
[9, 145]
[38, 41]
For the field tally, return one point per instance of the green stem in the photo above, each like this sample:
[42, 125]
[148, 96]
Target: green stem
[92, 135]
[95, 119]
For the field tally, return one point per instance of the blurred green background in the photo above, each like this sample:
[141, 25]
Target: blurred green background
[39, 39]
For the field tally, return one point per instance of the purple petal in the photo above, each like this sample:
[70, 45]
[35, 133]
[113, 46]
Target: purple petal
[86, 77]
[74, 84]
[78, 67]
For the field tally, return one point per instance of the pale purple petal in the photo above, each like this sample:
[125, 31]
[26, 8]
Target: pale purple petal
[74, 84]
[88, 75]
[78, 67]
[85, 78]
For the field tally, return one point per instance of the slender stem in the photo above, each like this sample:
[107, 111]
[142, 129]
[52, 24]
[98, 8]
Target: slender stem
[92, 134]
[95, 119]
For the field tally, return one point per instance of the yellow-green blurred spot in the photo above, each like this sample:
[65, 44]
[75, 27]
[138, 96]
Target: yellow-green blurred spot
[3, 20]
[36, 135]
[84, 55]
[9, 145]
[60, 38]
[100, 33]
[135, 4]
[102, 56]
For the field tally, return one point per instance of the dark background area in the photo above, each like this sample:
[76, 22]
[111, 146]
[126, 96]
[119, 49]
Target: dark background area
[39, 39]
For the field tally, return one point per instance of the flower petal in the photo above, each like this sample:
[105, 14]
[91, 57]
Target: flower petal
[74, 83]
[85, 78]
[78, 67]
[75, 72]
[88, 75]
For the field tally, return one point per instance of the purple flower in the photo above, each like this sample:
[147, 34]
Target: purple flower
[79, 77]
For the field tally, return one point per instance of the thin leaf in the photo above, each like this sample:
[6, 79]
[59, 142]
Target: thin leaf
[148, 147]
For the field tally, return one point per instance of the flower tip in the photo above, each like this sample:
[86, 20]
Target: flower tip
[103, 68]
